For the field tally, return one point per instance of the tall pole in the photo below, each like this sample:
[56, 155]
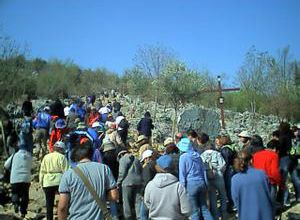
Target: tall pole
[221, 103]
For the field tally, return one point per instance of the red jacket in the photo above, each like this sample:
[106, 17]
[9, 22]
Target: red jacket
[56, 135]
[93, 117]
[268, 161]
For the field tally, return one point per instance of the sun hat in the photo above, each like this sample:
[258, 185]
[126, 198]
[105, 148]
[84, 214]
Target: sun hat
[108, 146]
[81, 125]
[141, 138]
[60, 124]
[146, 154]
[184, 144]
[244, 134]
[96, 124]
[60, 144]
[168, 141]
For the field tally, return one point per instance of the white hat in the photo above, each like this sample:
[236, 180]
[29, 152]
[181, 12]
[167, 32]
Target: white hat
[60, 144]
[96, 124]
[244, 134]
[146, 154]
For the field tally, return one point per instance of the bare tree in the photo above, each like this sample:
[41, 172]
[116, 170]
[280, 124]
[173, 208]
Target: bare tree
[152, 59]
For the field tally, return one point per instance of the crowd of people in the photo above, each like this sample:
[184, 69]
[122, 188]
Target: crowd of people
[86, 158]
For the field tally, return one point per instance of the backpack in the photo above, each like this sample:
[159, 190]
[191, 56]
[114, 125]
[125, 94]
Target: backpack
[210, 171]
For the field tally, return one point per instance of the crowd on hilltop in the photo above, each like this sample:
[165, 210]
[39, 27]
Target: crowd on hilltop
[86, 158]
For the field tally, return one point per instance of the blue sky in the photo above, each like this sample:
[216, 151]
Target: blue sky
[212, 35]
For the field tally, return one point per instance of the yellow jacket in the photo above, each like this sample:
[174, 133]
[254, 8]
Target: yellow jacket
[52, 168]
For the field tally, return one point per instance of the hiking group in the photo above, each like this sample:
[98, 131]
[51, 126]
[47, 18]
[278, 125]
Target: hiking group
[86, 158]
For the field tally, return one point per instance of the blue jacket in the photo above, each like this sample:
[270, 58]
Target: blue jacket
[191, 168]
[252, 187]
[43, 121]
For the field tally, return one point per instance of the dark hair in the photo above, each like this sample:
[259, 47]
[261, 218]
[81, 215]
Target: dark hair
[120, 114]
[147, 114]
[81, 151]
[172, 149]
[284, 128]
[273, 144]
[295, 128]
[224, 139]
[256, 143]
[276, 133]
[203, 138]
[192, 133]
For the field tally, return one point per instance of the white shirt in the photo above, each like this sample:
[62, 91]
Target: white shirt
[67, 110]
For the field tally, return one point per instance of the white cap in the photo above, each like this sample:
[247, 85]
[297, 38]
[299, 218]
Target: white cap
[96, 124]
[244, 134]
[146, 154]
[60, 144]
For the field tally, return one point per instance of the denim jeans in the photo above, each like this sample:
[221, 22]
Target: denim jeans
[197, 196]
[217, 185]
[283, 194]
[273, 192]
[113, 209]
[229, 172]
[144, 211]
[296, 182]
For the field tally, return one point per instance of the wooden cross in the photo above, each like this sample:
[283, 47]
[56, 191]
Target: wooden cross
[220, 91]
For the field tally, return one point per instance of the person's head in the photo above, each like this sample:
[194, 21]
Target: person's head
[60, 124]
[192, 135]
[171, 149]
[27, 97]
[284, 128]
[256, 143]
[142, 139]
[147, 114]
[244, 137]
[242, 161]
[222, 140]
[60, 147]
[203, 138]
[185, 145]
[273, 144]
[165, 162]
[82, 151]
[178, 137]
[296, 132]
[108, 146]
[47, 109]
[275, 135]
[147, 156]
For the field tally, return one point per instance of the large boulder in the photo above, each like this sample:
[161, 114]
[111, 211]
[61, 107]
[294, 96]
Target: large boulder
[199, 119]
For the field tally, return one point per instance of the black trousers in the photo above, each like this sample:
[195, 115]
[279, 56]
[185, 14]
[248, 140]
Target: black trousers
[20, 196]
[50, 196]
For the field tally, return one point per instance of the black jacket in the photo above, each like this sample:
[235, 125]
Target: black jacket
[145, 126]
